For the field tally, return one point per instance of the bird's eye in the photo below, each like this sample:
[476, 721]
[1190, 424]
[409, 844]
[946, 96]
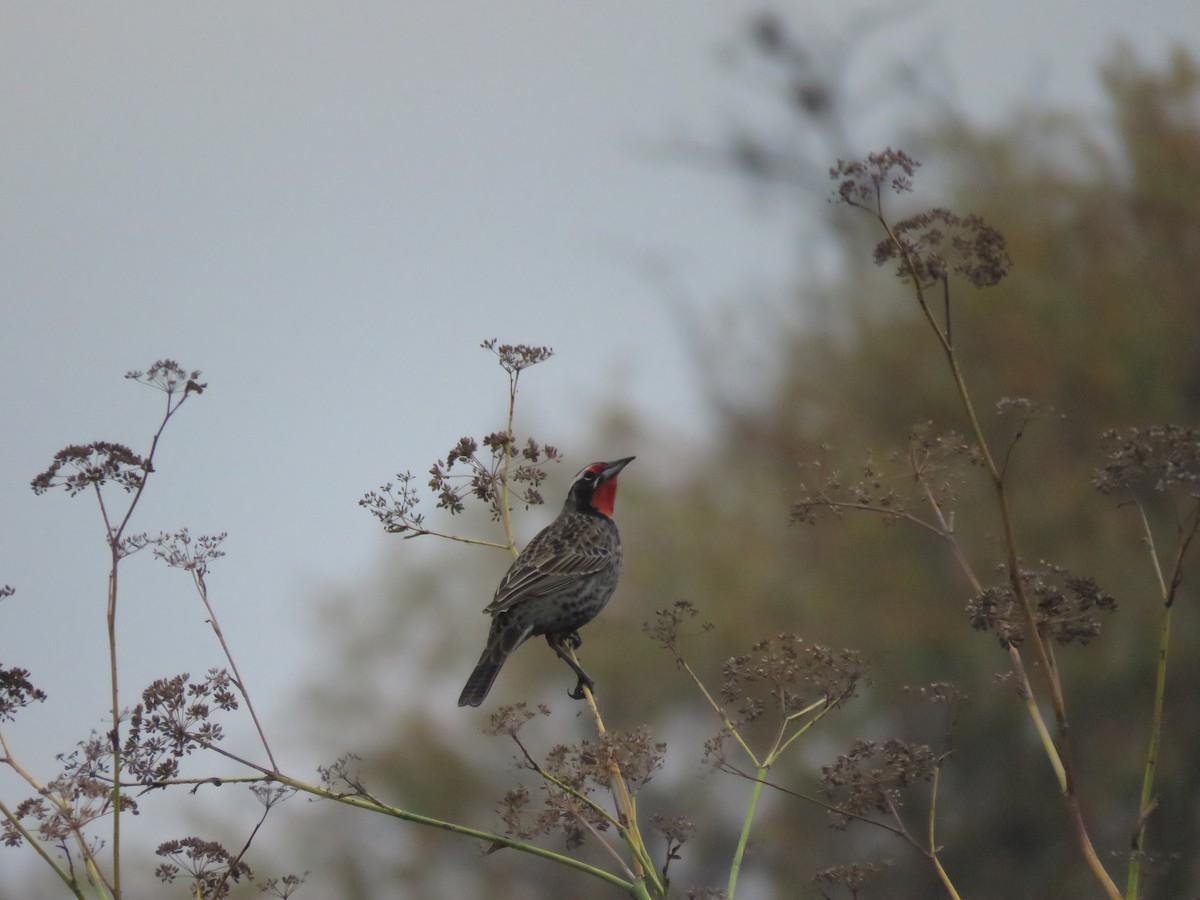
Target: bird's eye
[590, 475]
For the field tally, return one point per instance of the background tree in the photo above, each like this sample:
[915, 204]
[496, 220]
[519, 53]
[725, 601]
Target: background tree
[1097, 323]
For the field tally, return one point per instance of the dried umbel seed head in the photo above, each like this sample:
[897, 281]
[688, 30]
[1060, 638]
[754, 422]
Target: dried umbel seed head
[80, 467]
[1065, 607]
[932, 245]
[1160, 457]
[861, 182]
[16, 691]
[515, 357]
[169, 377]
[870, 777]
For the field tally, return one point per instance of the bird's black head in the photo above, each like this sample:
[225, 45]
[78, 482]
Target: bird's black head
[595, 487]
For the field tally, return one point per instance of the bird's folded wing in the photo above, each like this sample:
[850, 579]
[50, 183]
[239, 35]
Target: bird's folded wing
[541, 575]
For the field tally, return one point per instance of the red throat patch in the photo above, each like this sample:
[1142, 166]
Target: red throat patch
[605, 496]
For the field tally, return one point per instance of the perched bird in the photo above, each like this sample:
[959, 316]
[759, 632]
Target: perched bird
[559, 583]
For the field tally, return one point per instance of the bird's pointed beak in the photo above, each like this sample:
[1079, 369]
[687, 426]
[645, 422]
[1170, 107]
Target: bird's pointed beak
[611, 469]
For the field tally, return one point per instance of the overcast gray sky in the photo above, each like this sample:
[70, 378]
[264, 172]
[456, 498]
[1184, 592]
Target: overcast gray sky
[326, 207]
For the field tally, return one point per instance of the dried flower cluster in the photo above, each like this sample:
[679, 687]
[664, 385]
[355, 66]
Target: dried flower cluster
[342, 775]
[785, 674]
[67, 804]
[870, 776]
[16, 691]
[853, 877]
[174, 719]
[934, 244]
[929, 469]
[510, 718]
[861, 182]
[181, 551]
[1159, 456]
[667, 626]
[208, 864]
[515, 357]
[167, 376]
[929, 246]
[79, 467]
[484, 478]
[677, 830]
[282, 887]
[570, 775]
[1065, 607]
[465, 473]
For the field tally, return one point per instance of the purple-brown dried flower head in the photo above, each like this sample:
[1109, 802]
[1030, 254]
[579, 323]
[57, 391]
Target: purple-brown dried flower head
[861, 182]
[1159, 457]
[1065, 607]
[168, 376]
[81, 467]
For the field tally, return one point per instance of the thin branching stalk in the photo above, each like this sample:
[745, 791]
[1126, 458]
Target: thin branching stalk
[1036, 640]
[195, 782]
[1167, 592]
[609, 848]
[114, 546]
[730, 728]
[505, 512]
[233, 863]
[567, 789]
[932, 853]
[363, 801]
[202, 589]
[643, 865]
[64, 809]
[1018, 664]
[67, 878]
[413, 531]
[782, 741]
[115, 535]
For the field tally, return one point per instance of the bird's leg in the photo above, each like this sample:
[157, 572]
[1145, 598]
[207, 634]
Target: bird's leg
[558, 643]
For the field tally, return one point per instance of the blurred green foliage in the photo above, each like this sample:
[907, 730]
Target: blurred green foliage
[1099, 323]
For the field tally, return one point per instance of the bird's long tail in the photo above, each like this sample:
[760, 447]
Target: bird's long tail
[503, 639]
[481, 679]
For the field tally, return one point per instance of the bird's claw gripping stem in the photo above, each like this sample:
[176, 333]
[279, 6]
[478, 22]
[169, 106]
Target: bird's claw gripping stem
[565, 645]
[584, 682]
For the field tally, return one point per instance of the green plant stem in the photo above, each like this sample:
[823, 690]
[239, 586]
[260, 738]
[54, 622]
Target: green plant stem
[735, 867]
[370, 804]
[933, 846]
[1035, 638]
[1018, 664]
[785, 740]
[1167, 593]
[584, 800]
[411, 532]
[643, 865]
[608, 848]
[720, 711]
[1147, 802]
